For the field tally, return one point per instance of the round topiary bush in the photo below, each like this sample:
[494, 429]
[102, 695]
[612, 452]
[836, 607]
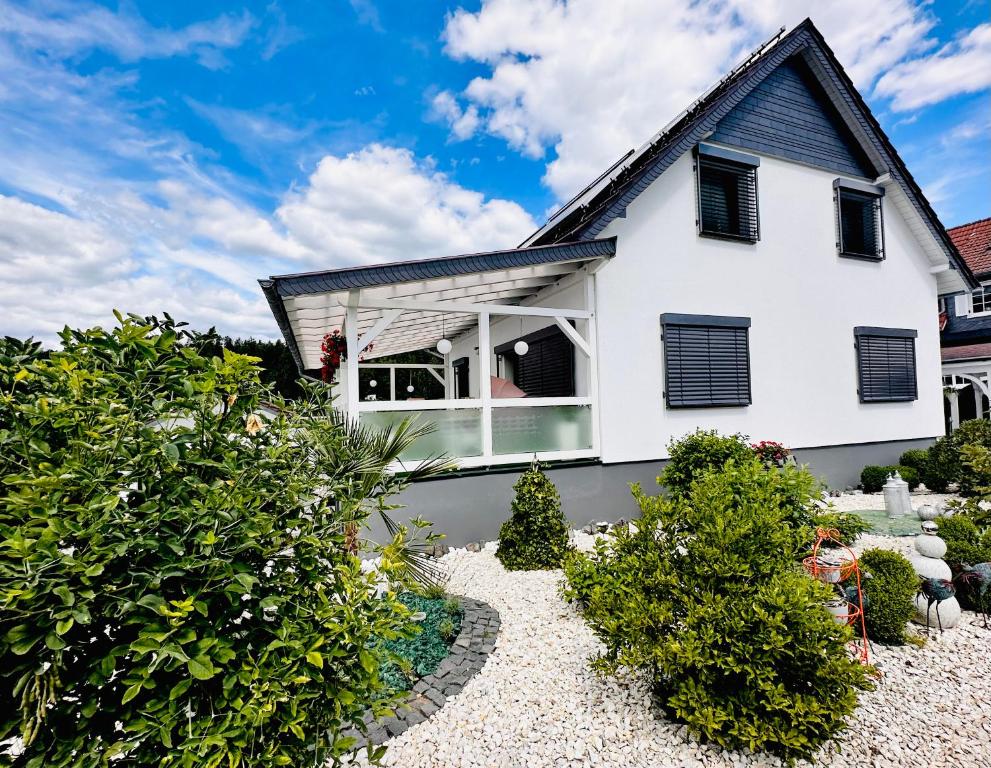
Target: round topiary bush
[179, 574]
[695, 454]
[917, 459]
[535, 537]
[873, 478]
[702, 595]
[942, 465]
[889, 594]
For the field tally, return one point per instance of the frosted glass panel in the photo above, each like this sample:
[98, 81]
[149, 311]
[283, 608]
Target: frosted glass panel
[547, 428]
[457, 433]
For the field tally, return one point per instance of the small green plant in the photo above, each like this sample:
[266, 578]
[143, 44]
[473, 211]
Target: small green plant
[535, 537]
[446, 629]
[873, 478]
[889, 594]
[847, 524]
[434, 591]
[406, 669]
[702, 595]
[698, 452]
[452, 606]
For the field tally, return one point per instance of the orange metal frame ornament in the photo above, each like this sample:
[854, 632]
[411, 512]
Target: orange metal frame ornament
[837, 574]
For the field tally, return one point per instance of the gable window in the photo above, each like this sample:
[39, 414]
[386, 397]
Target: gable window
[706, 360]
[886, 364]
[981, 300]
[860, 228]
[727, 193]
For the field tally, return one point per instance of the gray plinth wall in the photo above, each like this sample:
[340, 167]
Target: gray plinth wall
[472, 506]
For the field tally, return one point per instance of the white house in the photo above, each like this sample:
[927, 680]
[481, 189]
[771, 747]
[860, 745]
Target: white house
[765, 264]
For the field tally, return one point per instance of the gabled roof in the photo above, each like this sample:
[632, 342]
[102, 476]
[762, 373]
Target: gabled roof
[589, 212]
[974, 243]
[308, 305]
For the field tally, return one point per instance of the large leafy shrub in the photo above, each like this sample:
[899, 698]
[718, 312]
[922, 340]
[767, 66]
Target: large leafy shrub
[972, 478]
[179, 579]
[536, 535]
[889, 594]
[873, 478]
[942, 465]
[703, 595]
[696, 453]
[916, 458]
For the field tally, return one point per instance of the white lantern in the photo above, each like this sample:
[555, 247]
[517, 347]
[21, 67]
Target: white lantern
[444, 346]
[521, 348]
[373, 383]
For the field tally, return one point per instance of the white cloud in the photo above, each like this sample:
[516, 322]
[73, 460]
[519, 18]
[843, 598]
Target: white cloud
[588, 80]
[463, 122]
[380, 204]
[69, 28]
[963, 66]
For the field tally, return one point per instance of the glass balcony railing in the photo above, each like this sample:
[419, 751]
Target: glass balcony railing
[547, 428]
[457, 432]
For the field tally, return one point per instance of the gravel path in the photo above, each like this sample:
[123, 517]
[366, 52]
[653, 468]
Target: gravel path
[536, 703]
[849, 502]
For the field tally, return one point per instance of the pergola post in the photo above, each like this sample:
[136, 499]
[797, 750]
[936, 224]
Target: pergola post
[593, 359]
[954, 397]
[485, 381]
[351, 337]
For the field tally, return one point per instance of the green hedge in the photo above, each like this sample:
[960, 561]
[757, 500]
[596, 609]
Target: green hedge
[873, 478]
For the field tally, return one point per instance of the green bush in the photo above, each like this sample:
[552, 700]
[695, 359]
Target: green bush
[889, 594]
[966, 542]
[179, 577]
[873, 478]
[698, 452]
[917, 459]
[847, 524]
[703, 596]
[535, 537]
[972, 477]
[942, 466]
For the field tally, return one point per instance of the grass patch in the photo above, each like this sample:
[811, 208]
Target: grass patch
[419, 656]
[889, 526]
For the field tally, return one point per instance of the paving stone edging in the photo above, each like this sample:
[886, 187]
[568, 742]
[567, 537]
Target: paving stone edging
[475, 641]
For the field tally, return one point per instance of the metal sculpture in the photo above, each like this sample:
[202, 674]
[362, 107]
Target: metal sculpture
[977, 578]
[936, 591]
[840, 568]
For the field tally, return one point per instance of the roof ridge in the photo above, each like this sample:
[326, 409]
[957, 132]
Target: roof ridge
[969, 223]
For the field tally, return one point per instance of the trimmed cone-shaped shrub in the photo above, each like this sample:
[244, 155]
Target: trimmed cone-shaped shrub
[536, 536]
[889, 594]
[703, 596]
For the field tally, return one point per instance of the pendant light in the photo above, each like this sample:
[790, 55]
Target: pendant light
[409, 387]
[521, 347]
[443, 346]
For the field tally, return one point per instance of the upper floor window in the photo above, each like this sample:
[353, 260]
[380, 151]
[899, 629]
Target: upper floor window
[860, 228]
[981, 299]
[727, 193]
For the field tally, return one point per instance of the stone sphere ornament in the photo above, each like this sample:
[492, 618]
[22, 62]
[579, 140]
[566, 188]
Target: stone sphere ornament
[928, 564]
[927, 512]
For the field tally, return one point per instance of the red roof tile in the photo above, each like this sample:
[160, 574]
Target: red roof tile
[966, 352]
[974, 243]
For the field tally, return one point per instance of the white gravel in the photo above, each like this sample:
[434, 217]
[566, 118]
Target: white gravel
[536, 703]
[849, 502]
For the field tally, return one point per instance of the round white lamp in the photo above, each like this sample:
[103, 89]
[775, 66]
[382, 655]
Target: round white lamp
[444, 346]
[521, 348]
[373, 383]
[409, 388]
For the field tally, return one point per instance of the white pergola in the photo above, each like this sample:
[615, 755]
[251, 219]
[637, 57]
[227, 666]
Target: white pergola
[957, 376]
[395, 308]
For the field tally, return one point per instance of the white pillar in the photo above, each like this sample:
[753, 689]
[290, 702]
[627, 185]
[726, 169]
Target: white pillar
[978, 402]
[954, 397]
[593, 362]
[485, 381]
[351, 336]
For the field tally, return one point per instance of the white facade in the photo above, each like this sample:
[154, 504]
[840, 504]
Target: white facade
[804, 301]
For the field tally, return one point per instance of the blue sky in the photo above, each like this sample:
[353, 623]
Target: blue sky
[162, 156]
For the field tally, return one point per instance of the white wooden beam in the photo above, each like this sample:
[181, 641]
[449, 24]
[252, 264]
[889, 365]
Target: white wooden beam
[477, 309]
[433, 372]
[572, 334]
[351, 336]
[383, 322]
[485, 381]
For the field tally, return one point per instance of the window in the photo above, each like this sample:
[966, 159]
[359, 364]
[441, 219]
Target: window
[548, 367]
[706, 361]
[460, 367]
[727, 194]
[859, 223]
[981, 299]
[886, 364]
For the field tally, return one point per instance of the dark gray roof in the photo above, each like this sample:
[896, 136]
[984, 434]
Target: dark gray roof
[332, 280]
[636, 172]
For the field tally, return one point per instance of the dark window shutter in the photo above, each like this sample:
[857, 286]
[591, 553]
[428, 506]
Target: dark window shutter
[461, 377]
[706, 361]
[548, 367]
[727, 199]
[860, 224]
[886, 365]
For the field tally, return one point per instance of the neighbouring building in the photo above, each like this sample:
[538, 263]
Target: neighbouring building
[766, 264]
[965, 325]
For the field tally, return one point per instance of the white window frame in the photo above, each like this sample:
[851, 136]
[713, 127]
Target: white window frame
[985, 289]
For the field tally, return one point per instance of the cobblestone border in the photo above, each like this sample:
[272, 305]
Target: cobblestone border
[475, 641]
